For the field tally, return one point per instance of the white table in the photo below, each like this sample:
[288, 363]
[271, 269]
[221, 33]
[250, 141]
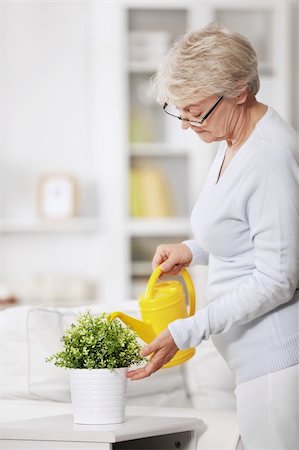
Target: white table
[136, 433]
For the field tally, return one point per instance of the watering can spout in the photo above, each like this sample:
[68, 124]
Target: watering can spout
[143, 330]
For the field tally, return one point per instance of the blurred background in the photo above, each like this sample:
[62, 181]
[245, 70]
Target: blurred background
[93, 176]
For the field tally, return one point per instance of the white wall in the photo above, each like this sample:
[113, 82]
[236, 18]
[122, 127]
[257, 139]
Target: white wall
[47, 102]
[57, 96]
[61, 110]
[295, 66]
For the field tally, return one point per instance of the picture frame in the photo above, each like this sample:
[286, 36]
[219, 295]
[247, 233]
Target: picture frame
[57, 196]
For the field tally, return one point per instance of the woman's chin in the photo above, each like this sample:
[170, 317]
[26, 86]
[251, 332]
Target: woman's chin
[205, 136]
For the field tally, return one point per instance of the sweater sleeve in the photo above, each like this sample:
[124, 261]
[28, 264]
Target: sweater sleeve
[273, 216]
[199, 255]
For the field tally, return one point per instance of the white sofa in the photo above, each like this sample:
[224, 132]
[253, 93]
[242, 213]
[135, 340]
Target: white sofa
[29, 387]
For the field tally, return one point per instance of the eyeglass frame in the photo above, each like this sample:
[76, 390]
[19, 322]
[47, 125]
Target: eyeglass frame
[193, 122]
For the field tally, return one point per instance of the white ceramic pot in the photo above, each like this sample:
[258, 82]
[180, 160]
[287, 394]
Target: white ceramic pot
[98, 395]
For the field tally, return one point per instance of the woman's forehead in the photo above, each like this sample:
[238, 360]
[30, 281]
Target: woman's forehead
[194, 103]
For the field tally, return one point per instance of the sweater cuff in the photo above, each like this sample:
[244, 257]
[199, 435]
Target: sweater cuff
[191, 331]
[199, 255]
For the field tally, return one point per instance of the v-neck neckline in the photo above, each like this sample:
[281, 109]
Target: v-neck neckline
[219, 174]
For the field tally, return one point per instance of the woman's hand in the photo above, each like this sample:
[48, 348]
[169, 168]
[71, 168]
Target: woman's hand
[172, 258]
[163, 348]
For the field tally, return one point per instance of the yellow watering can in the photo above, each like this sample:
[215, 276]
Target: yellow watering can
[161, 304]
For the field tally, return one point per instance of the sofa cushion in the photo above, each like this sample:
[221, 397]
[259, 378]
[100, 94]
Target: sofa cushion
[209, 382]
[45, 327]
[14, 358]
[29, 334]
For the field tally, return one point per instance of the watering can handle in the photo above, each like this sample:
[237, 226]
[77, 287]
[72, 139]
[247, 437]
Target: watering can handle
[189, 284]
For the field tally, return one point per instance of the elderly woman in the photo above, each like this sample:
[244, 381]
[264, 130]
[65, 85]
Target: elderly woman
[246, 227]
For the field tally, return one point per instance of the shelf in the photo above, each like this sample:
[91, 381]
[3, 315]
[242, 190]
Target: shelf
[266, 70]
[142, 67]
[156, 227]
[141, 268]
[79, 225]
[162, 149]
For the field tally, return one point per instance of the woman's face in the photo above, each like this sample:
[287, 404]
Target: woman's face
[218, 126]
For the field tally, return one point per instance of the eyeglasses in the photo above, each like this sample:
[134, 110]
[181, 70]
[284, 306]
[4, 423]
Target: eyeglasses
[170, 110]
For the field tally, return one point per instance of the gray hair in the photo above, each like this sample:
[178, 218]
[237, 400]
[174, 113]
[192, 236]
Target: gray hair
[206, 62]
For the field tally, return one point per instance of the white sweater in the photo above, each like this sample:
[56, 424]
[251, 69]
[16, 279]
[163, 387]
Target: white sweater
[246, 227]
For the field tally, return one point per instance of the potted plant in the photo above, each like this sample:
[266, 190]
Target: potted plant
[98, 352]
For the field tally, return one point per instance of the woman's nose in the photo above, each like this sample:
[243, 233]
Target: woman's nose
[185, 124]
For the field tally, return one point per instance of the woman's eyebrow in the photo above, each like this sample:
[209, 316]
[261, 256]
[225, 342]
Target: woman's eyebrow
[187, 108]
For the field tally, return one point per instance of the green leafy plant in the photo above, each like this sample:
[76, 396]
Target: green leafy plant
[95, 342]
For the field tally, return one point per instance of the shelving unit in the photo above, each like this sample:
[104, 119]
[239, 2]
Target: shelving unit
[106, 122]
[23, 227]
[156, 140]
[151, 151]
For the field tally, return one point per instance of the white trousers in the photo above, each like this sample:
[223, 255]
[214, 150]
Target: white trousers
[268, 411]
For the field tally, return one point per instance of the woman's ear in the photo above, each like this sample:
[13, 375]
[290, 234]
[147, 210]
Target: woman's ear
[242, 97]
